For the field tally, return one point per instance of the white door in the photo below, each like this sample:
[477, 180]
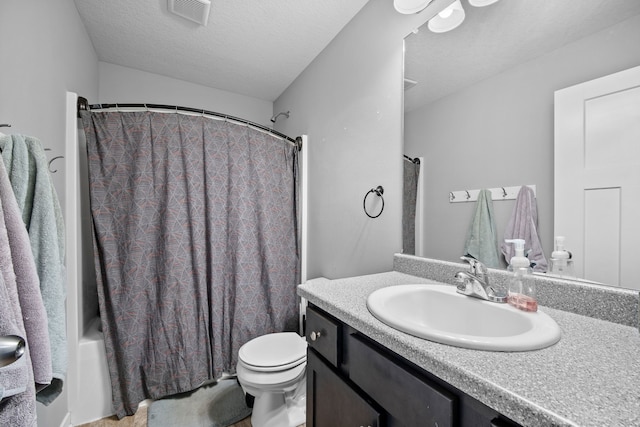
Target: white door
[597, 176]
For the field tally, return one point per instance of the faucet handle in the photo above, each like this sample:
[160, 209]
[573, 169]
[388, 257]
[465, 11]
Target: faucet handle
[475, 266]
[473, 263]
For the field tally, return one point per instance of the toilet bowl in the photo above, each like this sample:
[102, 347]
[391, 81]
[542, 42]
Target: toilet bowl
[272, 369]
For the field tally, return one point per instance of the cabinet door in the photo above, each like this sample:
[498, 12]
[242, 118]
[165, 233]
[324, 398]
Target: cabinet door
[331, 402]
[409, 399]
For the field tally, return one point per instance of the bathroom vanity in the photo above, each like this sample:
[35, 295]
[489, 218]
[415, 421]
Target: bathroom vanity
[362, 372]
[353, 381]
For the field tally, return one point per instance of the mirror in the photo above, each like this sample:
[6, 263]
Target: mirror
[479, 103]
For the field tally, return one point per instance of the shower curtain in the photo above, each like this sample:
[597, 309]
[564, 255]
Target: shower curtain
[195, 245]
[410, 191]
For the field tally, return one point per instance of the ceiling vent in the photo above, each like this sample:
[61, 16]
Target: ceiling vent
[193, 10]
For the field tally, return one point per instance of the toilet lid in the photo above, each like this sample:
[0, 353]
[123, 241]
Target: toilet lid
[274, 350]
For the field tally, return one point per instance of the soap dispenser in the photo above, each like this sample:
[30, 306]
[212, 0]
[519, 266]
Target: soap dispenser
[560, 262]
[521, 284]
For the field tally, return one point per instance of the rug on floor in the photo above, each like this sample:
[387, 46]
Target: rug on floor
[216, 405]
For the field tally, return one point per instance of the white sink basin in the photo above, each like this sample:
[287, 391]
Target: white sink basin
[438, 313]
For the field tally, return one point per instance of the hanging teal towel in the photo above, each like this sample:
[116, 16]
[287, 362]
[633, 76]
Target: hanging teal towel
[482, 241]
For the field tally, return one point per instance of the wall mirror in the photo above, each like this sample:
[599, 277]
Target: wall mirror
[479, 103]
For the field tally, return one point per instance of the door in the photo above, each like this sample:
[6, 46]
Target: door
[597, 176]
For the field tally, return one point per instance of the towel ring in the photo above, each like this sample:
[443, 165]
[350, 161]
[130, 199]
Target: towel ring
[378, 191]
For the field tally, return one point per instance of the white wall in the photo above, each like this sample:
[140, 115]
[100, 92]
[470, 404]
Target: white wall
[45, 51]
[349, 102]
[122, 84]
[499, 132]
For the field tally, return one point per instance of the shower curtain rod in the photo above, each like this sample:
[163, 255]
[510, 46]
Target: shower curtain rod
[416, 160]
[83, 104]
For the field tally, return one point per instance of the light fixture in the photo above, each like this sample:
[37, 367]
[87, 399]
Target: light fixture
[410, 6]
[481, 3]
[448, 19]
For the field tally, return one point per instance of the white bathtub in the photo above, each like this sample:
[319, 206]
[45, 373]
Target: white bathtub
[94, 385]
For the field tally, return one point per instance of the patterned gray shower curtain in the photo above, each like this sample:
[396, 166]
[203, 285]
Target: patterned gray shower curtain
[411, 173]
[195, 246]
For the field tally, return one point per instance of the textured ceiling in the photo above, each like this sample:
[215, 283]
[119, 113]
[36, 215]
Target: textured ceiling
[497, 37]
[251, 47]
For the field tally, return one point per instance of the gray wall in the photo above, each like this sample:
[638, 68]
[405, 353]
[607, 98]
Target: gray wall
[499, 132]
[45, 52]
[349, 102]
[123, 84]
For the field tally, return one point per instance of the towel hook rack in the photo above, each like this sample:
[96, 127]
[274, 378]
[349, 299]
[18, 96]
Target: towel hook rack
[51, 161]
[378, 191]
[497, 193]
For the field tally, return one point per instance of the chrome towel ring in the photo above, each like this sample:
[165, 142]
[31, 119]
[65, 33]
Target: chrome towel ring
[378, 191]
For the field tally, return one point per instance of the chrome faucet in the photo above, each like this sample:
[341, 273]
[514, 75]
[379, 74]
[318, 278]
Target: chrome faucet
[475, 282]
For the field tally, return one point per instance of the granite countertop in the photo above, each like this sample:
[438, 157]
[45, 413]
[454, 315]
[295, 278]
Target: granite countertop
[591, 377]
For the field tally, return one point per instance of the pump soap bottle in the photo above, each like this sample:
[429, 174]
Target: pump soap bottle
[521, 285]
[560, 262]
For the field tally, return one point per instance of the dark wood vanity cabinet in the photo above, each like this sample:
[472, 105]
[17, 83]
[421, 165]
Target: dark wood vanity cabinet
[353, 381]
[332, 401]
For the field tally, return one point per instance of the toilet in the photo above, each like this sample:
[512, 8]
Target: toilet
[272, 369]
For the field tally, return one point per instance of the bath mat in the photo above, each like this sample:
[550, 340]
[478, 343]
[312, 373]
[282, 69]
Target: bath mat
[215, 405]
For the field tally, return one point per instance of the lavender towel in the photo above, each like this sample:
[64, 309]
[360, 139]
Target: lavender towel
[482, 240]
[28, 171]
[523, 224]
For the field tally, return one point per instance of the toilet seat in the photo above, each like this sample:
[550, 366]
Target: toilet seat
[265, 381]
[273, 352]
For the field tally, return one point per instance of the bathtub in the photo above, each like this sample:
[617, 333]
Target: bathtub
[94, 385]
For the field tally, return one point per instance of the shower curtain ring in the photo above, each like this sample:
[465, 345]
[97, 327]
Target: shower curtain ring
[468, 195]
